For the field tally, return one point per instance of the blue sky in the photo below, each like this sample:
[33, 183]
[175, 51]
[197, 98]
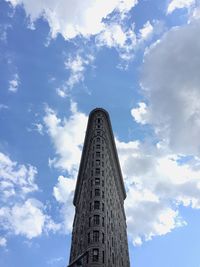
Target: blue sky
[140, 61]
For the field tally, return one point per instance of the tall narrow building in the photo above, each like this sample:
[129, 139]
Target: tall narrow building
[99, 236]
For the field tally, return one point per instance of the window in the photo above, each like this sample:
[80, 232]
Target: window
[102, 182]
[95, 236]
[88, 238]
[97, 171]
[98, 139]
[103, 240]
[91, 182]
[103, 256]
[98, 163]
[95, 254]
[102, 206]
[90, 194]
[98, 120]
[103, 221]
[89, 221]
[96, 205]
[96, 220]
[113, 259]
[98, 154]
[102, 164]
[90, 206]
[97, 192]
[97, 146]
[102, 173]
[97, 181]
[102, 194]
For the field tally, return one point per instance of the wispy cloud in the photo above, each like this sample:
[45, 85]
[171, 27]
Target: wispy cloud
[14, 83]
[3, 242]
[20, 214]
[70, 18]
[67, 136]
[177, 4]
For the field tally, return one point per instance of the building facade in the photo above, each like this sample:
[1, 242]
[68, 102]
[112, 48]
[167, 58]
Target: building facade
[99, 227]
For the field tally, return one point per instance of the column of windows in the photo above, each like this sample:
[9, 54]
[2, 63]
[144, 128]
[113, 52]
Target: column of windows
[97, 204]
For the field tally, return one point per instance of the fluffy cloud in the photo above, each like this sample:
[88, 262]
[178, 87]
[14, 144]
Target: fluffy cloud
[16, 179]
[27, 219]
[154, 194]
[146, 31]
[14, 83]
[177, 4]
[147, 216]
[67, 135]
[140, 114]
[72, 18]
[170, 83]
[115, 36]
[64, 192]
[20, 215]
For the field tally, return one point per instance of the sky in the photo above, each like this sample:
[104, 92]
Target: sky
[138, 59]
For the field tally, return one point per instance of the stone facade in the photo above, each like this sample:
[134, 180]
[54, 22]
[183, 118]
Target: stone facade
[99, 224]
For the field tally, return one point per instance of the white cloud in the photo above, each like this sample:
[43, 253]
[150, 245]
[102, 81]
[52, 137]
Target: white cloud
[3, 242]
[177, 4]
[19, 214]
[157, 183]
[61, 92]
[147, 31]
[147, 216]
[64, 189]
[72, 18]
[170, 81]
[27, 219]
[115, 36]
[140, 114]
[14, 83]
[77, 67]
[67, 135]
[64, 192]
[16, 179]
[158, 178]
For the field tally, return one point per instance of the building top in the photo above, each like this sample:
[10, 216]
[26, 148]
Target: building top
[86, 144]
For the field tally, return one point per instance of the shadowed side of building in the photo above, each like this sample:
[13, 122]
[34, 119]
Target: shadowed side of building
[99, 236]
